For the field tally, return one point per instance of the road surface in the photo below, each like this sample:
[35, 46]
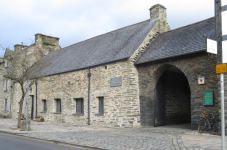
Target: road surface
[14, 142]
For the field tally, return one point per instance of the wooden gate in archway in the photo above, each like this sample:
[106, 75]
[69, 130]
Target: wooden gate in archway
[159, 102]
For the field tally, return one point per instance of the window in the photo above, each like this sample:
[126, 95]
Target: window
[44, 106]
[58, 105]
[101, 105]
[5, 104]
[6, 84]
[79, 106]
[6, 63]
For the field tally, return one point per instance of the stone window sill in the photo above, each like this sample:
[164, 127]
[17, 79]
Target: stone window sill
[99, 114]
[77, 114]
[56, 112]
[5, 90]
[43, 112]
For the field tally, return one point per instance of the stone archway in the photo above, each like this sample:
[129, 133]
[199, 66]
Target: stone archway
[172, 98]
[148, 80]
[192, 66]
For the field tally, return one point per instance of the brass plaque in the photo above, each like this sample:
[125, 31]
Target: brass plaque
[221, 68]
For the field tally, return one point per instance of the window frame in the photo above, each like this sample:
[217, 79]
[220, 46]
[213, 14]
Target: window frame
[81, 111]
[58, 101]
[6, 84]
[6, 104]
[6, 64]
[45, 105]
[101, 105]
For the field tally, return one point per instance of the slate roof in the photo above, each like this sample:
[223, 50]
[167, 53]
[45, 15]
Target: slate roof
[181, 41]
[116, 45]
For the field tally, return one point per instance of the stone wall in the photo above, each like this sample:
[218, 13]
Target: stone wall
[2, 87]
[121, 103]
[177, 98]
[4, 94]
[193, 66]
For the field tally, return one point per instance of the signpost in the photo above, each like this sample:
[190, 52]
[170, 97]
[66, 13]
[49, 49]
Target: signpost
[224, 30]
[224, 52]
[212, 46]
[221, 35]
[224, 60]
[221, 68]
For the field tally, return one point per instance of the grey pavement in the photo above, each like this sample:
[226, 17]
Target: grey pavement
[171, 137]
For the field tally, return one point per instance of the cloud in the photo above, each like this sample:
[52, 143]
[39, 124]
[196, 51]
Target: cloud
[76, 20]
[61, 3]
[18, 6]
[133, 6]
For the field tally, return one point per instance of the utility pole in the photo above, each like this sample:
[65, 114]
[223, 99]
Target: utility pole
[26, 100]
[221, 36]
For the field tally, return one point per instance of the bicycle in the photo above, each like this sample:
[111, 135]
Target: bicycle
[209, 123]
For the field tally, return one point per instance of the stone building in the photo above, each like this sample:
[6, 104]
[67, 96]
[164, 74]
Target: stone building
[6, 88]
[10, 91]
[141, 75]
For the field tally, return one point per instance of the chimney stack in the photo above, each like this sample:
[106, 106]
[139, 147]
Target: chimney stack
[19, 47]
[158, 11]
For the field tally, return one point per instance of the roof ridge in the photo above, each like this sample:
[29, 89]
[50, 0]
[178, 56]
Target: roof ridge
[103, 34]
[189, 25]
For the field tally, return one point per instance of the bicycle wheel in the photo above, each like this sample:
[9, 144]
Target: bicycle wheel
[202, 126]
[217, 128]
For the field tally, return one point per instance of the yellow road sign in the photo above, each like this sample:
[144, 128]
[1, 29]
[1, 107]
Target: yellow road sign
[221, 68]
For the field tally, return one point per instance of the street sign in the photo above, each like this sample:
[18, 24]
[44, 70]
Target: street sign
[224, 30]
[208, 98]
[224, 23]
[212, 46]
[223, 2]
[224, 51]
[221, 68]
[201, 80]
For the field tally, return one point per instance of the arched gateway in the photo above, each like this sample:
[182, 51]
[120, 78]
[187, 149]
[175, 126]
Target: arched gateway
[171, 97]
[170, 92]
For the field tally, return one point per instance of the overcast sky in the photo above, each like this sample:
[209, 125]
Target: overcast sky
[76, 20]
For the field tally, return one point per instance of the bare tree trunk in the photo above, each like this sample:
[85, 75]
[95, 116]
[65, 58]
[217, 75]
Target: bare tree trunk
[20, 108]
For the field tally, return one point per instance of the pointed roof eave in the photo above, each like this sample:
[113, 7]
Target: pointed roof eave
[7, 52]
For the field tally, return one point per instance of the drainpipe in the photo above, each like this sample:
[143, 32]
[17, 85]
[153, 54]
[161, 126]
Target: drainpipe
[36, 83]
[11, 96]
[89, 78]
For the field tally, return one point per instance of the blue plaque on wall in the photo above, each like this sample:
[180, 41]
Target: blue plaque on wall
[116, 81]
